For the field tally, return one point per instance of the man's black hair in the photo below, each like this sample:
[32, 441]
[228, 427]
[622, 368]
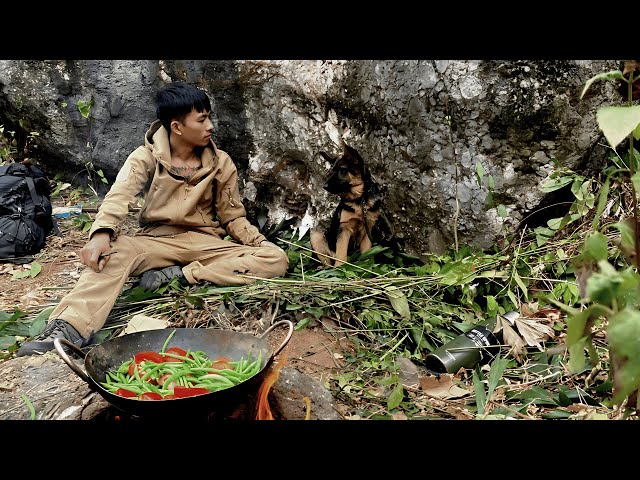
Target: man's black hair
[176, 100]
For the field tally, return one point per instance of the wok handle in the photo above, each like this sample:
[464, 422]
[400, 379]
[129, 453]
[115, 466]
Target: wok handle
[67, 360]
[286, 339]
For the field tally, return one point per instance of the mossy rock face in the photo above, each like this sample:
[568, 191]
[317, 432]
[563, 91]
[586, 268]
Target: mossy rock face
[422, 126]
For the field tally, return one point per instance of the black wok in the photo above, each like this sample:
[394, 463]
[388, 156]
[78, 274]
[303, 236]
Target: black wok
[215, 343]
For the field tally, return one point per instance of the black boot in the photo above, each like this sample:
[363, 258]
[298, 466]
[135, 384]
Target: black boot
[152, 279]
[44, 342]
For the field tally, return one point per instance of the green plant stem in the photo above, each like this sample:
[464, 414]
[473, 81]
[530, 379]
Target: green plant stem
[632, 164]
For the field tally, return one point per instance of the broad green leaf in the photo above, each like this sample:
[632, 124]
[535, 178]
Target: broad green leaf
[302, 324]
[399, 302]
[22, 274]
[492, 305]
[575, 327]
[521, 284]
[603, 196]
[538, 395]
[611, 75]
[490, 182]
[623, 335]
[478, 388]
[395, 398]
[372, 251]
[84, 106]
[502, 211]
[37, 326]
[556, 414]
[617, 122]
[498, 367]
[7, 341]
[577, 356]
[596, 245]
[554, 184]
[35, 269]
[457, 273]
[479, 172]
[635, 179]
[627, 236]
[514, 300]
[636, 132]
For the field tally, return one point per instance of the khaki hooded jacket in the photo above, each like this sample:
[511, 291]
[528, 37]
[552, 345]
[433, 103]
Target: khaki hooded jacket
[209, 201]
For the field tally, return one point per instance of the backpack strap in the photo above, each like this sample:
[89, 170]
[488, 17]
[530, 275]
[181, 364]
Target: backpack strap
[32, 191]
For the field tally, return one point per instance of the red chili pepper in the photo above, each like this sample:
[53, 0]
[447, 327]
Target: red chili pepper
[175, 351]
[150, 356]
[123, 392]
[182, 392]
[221, 365]
[150, 396]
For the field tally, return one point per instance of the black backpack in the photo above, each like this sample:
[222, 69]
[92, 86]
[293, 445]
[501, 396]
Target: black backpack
[25, 211]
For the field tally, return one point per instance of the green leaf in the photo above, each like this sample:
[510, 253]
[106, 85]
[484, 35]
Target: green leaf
[399, 302]
[502, 211]
[32, 410]
[84, 107]
[617, 122]
[576, 339]
[35, 269]
[479, 172]
[554, 184]
[521, 284]
[556, 414]
[372, 251]
[478, 387]
[603, 196]
[395, 398]
[7, 341]
[611, 75]
[596, 245]
[302, 323]
[492, 305]
[623, 334]
[490, 182]
[498, 367]
[636, 132]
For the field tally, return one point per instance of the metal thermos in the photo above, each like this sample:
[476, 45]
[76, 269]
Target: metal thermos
[476, 346]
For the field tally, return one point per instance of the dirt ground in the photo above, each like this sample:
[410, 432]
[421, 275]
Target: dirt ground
[314, 350]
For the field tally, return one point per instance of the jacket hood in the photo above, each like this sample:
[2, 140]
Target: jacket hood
[157, 140]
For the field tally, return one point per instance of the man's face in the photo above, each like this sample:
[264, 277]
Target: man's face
[196, 128]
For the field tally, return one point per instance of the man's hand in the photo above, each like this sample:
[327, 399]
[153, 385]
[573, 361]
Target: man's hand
[93, 253]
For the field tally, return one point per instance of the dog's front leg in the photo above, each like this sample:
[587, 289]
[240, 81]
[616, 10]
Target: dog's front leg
[365, 244]
[342, 246]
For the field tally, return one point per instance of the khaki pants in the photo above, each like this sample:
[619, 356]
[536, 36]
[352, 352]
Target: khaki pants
[205, 258]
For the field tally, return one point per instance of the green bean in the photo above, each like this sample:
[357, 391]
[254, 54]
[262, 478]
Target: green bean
[164, 347]
[217, 376]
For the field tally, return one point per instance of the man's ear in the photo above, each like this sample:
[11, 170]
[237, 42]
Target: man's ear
[175, 127]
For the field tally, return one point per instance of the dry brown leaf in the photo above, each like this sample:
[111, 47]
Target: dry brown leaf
[533, 331]
[441, 387]
[399, 416]
[510, 337]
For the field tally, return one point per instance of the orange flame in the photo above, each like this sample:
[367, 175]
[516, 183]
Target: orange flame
[263, 410]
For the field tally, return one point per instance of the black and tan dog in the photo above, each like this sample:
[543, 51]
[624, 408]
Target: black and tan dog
[357, 213]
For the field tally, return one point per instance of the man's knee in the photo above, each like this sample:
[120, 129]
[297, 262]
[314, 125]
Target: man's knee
[279, 262]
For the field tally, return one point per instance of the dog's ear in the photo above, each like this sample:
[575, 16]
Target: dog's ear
[349, 151]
